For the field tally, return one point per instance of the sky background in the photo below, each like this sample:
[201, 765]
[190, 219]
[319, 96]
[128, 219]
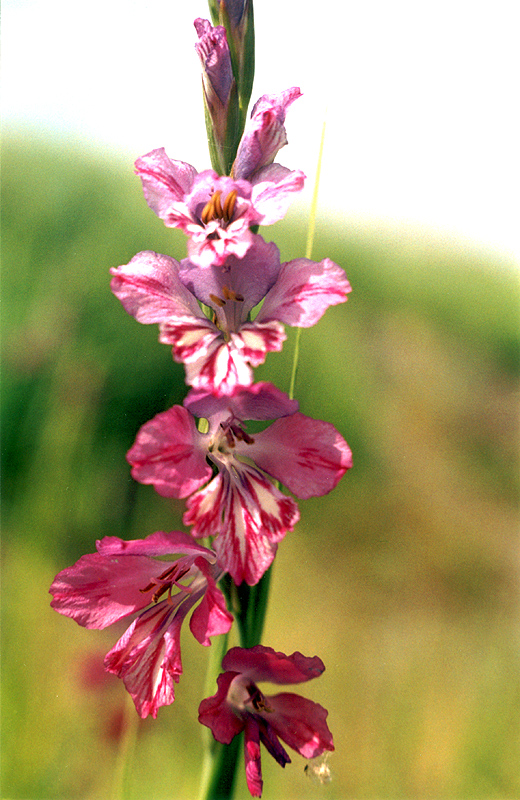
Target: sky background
[421, 99]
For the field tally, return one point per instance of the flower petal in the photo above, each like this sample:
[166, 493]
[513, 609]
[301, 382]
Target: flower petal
[249, 515]
[156, 544]
[148, 656]
[99, 590]
[211, 616]
[262, 663]
[264, 134]
[307, 455]
[300, 722]
[167, 454]
[150, 290]
[165, 185]
[252, 757]
[217, 714]
[303, 292]
[260, 401]
[274, 188]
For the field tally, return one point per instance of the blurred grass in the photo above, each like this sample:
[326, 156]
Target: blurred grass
[404, 580]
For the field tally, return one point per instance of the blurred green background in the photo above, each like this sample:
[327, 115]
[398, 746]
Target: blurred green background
[405, 580]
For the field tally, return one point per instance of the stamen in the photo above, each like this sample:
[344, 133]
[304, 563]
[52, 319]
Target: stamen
[229, 205]
[165, 581]
[229, 294]
[215, 210]
[217, 300]
[257, 699]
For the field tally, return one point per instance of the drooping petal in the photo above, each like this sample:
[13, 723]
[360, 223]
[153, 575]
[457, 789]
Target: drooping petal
[99, 590]
[217, 714]
[224, 366]
[148, 657]
[307, 455]
[150, 290]
[252, 757]
[250, 516]
[191, 339]
[167, 454]
[300, 722]
[262, 663]
[303, 292]
[165, 185]
[211, 616]
[264, 134]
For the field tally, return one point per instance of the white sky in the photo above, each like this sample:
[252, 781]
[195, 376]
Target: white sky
[421, 97]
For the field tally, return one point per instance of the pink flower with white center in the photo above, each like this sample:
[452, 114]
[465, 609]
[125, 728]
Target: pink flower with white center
[216, 212]
[228, 475]
[219, 352]
[144, 576]
[239, 705]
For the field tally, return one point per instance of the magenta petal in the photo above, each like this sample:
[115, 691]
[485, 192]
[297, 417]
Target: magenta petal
[165, 185]
[150, 290]
[166, 454]
[262, 663]
[250, 516]
[99, 590]
[156, 544]
[148, 657]
[301, 724]
[303, 292]
[211, 616]
[252, 757]
[307, 455]
[215, 713]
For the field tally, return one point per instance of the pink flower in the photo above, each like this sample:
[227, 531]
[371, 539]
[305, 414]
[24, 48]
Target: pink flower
[219, 352]
[239, 705]
[229, 474]
[127, 577]
[216, 212]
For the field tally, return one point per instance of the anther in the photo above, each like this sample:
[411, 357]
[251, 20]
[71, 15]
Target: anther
[217, 300]
[229, 205]
[229, 294]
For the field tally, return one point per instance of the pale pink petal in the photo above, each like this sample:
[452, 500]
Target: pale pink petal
[264, 133]
[148, 657]
[307, 455]
[301, 723]
[262, 663]
[150, 290]
[165, 185]
[167, 454]
[274, 188]
[303, 292]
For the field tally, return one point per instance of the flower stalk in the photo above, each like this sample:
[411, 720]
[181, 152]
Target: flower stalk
[237, 452]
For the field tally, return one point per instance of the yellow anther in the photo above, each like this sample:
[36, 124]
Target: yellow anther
[229, 205]
[218, 211]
